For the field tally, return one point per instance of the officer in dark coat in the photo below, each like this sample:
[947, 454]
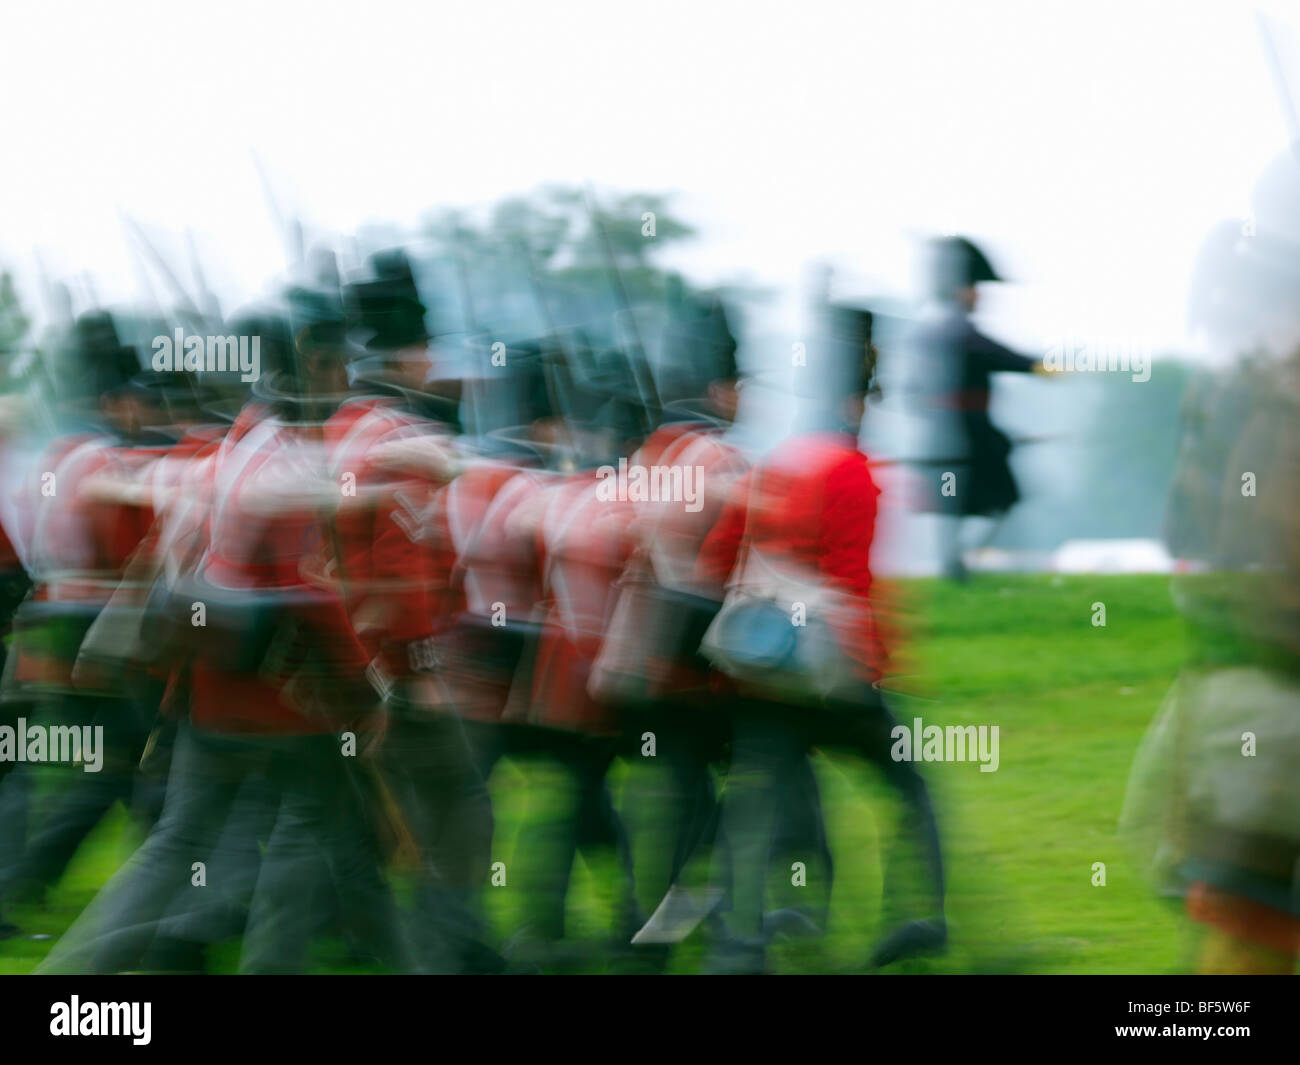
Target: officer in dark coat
[967, 470]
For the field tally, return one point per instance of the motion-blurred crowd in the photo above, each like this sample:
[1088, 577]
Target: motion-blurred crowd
[311, 609]
[312, 585]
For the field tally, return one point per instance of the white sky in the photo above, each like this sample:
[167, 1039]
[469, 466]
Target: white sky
[1090, 144]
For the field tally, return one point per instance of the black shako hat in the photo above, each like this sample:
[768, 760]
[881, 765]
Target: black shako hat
[271, 327]
[956, 262]
[699, 345]
[318, 328]
[317, 321]
[105, 365]
[388, 317]
[386, 309]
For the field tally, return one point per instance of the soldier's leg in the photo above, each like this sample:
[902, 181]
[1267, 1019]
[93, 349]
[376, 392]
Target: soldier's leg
[221, 912]
[84, 797]
[28, 794]
[15, 790]
[951, 506]
[118, 926]
[600, 826]
[673, 808]
[701, 735]
[703, 741]
[576, 814]
[15, 812]
[150, 742]
[952, 562]
[671, 797]
[549, 845]
[449, 810]
[866, 726]
[488, 744]
[768, 742]
[801, 836]
[322, 812]
[870, 730]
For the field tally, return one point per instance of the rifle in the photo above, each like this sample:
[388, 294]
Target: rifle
[651, 410]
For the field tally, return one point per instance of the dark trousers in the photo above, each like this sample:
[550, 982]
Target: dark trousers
[323, 814]
[770, 746]
[79, 800]
[221, 910]
[579, 818]
[444, 798]
[320, 826]
[673, 802]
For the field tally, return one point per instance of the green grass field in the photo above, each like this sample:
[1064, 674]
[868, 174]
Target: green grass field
[1072, 702]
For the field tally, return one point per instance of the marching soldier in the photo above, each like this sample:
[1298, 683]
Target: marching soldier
[649, 667]
[580, 546]
[80, 545]
[279, 684]
[797, 640]
[395, 564]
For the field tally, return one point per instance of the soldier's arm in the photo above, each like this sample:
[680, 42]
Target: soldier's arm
[427, 456]
[109, 486]
[283, 490]
[996, 358]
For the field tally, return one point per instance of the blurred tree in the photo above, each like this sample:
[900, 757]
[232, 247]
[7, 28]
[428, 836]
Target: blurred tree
[553, 235]
[14, 322]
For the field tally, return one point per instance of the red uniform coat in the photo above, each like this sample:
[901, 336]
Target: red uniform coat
[498, 579]
[811, 504]
[397, 558]
[667, 536]
[80, 545]
[259, 546]
[582, 546]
